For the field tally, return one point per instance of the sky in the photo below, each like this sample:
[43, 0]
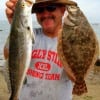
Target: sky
[89, 7]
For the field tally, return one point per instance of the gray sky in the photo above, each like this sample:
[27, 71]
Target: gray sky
[89, 7]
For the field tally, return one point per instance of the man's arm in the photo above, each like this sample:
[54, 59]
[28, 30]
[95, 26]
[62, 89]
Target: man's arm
[6, 48]
[10, 7]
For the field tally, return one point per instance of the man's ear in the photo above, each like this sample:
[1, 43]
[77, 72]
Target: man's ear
[63, 10]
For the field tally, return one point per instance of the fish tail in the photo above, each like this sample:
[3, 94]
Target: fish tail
[79, 87]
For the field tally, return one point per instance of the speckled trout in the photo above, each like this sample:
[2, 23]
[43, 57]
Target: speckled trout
[20, 45]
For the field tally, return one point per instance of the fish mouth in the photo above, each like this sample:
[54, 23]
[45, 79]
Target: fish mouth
[29, 2]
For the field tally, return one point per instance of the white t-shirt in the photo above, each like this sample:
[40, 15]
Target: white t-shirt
[46, 78]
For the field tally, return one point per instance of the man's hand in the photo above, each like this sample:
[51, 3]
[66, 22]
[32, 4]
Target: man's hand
[10, 9]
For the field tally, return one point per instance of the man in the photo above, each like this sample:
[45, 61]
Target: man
[46, 78]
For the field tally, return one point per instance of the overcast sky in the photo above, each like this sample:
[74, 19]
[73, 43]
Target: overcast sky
[89, 7]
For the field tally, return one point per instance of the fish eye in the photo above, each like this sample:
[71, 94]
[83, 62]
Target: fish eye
[23, 4]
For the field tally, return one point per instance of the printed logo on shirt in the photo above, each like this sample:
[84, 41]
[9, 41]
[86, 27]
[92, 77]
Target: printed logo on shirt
[42, 75]
[42, 70]
[48, 55]
[42, 66]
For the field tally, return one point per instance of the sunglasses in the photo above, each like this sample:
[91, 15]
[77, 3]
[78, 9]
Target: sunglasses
[49, 8]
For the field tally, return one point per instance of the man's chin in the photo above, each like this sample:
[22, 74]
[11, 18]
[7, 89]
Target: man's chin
[48, 26]
[48, 29]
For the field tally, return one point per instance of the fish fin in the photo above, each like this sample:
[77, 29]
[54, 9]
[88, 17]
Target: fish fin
[31, 34]
[13, 98]
[68, 22]
[25, 81]
[33, 38]
[79, 87]
[6, 75]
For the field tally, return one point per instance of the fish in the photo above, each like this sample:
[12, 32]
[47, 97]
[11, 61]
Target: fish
[77, 48]
[21, 39]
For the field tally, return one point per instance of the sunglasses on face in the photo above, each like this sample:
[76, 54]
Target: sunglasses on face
[49, 8]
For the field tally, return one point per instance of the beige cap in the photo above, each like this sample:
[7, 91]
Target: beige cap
[64, 2]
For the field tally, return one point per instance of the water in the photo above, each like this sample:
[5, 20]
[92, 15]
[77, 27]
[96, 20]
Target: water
[5, 29]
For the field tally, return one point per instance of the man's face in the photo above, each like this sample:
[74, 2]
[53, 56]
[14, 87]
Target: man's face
[50, 17]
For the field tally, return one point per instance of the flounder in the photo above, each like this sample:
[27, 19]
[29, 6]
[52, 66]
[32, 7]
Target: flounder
[77, 47]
